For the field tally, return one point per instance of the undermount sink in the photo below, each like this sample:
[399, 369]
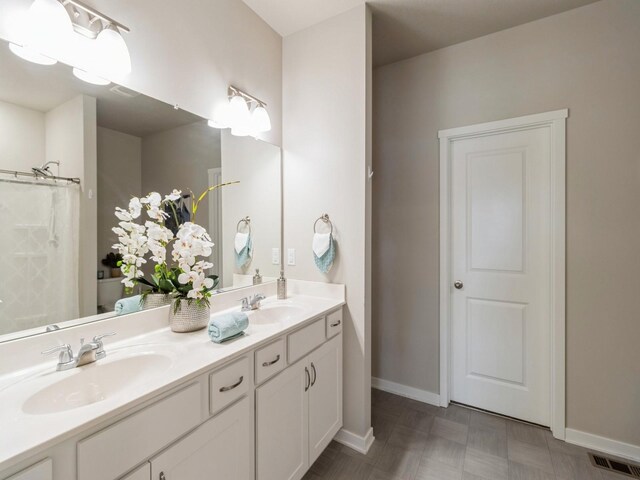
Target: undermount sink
[272, 313]
[95, 382]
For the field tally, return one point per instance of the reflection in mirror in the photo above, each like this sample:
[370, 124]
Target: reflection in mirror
[58, 264]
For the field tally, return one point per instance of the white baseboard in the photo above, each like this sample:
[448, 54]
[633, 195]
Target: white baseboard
[356, 442]
[406, 391]
[603, 444]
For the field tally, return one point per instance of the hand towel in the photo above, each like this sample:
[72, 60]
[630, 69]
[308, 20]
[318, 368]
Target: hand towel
[240, 241]
[321, 243]
[227, 326]
[243, 257]
[325, 261]
[128, 305]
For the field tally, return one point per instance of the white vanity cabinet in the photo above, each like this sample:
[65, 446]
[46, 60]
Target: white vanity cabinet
[219, 448]
[298, 412]
[267, 413]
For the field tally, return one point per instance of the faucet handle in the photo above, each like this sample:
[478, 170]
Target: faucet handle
[98, 338]
[245, 303]
[66, 354]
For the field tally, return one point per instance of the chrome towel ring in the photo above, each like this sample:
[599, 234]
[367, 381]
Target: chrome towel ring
[325, 218]
[247, 223]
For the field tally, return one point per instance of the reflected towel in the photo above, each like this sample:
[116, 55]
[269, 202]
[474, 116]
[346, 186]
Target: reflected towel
[243, 256]
[227, 326]
[128, 305]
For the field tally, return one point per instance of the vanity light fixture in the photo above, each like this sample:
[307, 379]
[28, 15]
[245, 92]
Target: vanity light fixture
[70, 31]
[244, 114]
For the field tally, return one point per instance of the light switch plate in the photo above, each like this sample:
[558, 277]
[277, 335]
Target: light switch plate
[275, 256]
[291, 256]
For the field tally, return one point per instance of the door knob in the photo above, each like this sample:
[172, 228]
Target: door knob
[458, 284]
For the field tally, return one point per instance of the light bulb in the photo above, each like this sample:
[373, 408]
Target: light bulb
[239, 116]
[114, 61]
[90, 77]
[260, 119]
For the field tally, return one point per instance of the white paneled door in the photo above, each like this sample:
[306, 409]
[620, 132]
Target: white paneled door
[500, 272]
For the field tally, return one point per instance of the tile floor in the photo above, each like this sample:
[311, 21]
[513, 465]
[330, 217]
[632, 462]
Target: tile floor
[416, 441]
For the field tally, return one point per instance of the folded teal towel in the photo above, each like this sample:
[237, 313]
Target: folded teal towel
[227, 326]
[128, 305]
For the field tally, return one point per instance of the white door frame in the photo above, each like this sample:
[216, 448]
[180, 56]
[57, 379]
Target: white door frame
[556, 123]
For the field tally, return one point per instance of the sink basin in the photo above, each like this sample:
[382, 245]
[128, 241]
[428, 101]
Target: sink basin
[95, 382]
[275, 312]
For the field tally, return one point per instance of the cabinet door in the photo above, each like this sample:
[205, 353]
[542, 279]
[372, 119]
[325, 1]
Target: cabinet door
[41, 471]
[325, 396]
[282, 441]
[141, 473]
[219, 449]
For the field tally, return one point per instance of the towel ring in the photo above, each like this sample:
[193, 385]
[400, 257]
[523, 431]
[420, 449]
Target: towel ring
[325, 218]
[247, 222]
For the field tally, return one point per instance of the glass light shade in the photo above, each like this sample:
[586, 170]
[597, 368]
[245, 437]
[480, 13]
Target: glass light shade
[29, 54]
[90, 77]
[113, 59]
[222, 116]
[260, 119]
[47, 28]
[239, 132]
[239, 116]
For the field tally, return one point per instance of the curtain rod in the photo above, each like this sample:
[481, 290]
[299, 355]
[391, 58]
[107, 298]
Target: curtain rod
[15, 173]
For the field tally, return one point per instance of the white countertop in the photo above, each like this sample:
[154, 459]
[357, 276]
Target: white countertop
[23, 434]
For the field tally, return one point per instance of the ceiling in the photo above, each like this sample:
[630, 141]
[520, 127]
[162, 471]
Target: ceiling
[406, 28]
[43, 88]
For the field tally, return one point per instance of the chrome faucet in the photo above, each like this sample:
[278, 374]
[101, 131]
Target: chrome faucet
[88, 353]
[252, 303]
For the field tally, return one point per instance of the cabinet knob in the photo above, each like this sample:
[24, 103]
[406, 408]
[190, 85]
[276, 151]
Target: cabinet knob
[162, 477]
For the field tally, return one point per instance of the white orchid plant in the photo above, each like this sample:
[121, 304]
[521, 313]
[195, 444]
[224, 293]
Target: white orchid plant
[186, 279]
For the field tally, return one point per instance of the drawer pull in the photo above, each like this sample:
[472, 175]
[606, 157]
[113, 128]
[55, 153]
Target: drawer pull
[315, 374]
[308, 383]
[268, 364]
[336, 323]
[231, 387]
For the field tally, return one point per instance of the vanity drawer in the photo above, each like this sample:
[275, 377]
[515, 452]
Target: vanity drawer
[334, 323]
[269, 360]
[117, 449]
[306, 339]
[228, 384]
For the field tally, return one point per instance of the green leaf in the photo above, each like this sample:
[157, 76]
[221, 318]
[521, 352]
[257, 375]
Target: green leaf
[145, 282]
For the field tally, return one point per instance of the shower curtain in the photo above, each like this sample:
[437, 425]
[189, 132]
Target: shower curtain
[39, 253]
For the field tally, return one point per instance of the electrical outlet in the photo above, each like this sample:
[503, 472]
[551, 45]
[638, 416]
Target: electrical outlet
[275, 256]
[291, 256]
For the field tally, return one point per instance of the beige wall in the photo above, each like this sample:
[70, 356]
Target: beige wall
[325, 150]
[71, 140]
[257, 166]
[586, 60]
[22, 139]
[180, 158]
[191, 62]
[119, 179]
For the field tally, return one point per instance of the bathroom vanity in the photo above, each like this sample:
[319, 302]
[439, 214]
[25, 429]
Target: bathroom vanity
[169, 406]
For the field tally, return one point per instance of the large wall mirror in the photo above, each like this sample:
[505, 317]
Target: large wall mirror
[118, 144]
